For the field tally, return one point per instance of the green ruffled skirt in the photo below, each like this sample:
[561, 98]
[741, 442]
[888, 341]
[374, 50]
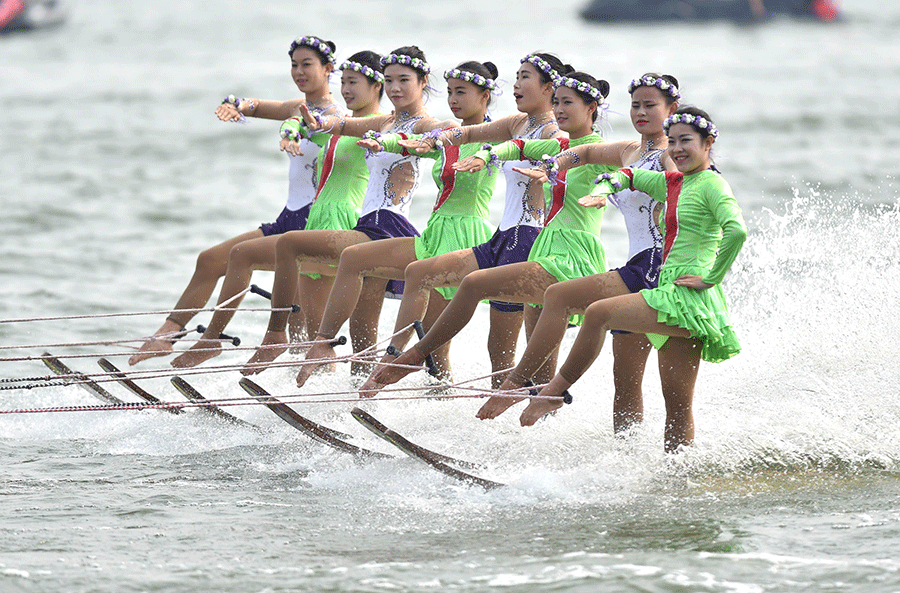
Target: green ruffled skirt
[331, 216]
[704, 313]
[445, 234]
[569, 254]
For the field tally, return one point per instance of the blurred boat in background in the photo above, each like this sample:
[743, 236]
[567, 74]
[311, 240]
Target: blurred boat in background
[709, 10]
[30, 15]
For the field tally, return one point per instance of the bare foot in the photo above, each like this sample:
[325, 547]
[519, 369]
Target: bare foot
[321, 351]
[150, 348]
[371, 387]
[387, 375]
[496, 405]
[202, 351]
[160, 344]
[266, 353]
[537, 409]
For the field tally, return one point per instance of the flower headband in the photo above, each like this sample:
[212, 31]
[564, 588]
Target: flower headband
[663, 85]
[579, 86]
[541, 65]
[315, 43]
[364, 70]
[701, 123]
[405, 60]
[477, 79]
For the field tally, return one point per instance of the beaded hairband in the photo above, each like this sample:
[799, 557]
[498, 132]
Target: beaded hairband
[660, 83]
[541, 65]
[366, 71]
[477, 79]
[315, 43]
[701, 123]
[405, 60]
[579, 86]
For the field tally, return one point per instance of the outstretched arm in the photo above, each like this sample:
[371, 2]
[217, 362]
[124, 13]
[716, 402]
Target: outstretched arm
[341, 126]
[606, 184]
[599, 153]
[232, 108]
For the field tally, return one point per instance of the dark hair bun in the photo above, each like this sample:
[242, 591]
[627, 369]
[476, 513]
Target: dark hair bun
[603, 87]
[491, 68]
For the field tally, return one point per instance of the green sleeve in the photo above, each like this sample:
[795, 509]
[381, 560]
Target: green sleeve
[606, 187]
[533, 149]
[390, 143]
[652, 183]
[728, 215]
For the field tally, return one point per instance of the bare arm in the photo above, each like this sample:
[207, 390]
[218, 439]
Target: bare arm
[251, 107]
[495, 131]
[430, 123]
[601, 153]
[342, 126]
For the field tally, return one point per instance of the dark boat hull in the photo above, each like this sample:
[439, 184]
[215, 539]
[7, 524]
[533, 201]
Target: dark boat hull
[691, 10]
[30, 15]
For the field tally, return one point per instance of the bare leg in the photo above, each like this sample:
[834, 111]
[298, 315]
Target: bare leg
[679, 362]
[441, 357]
[323, 247]
[385, 259]
[314, 294]
[499, 404]
[211, 265]
[560, 300]
[630, 352]
[297, 325]
[502, 337]
[245, 257]
[421, 276]
[548, 369]
[522, 282]
[629, 312]
[364, 322]
[364, 331]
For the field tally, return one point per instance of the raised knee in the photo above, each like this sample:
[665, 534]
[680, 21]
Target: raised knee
[238, 254]
[284, 247]
[554, 296]
[597, 314]
[208, 258]
[415, 273]
[352, 259]
[476, 283]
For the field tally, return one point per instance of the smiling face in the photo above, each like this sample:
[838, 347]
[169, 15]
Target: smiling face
[531, 94]
[572, 113]
[358, 91]
[649, 110]
[403, 87]
[688, 148]
[467, 100]
[307, 70]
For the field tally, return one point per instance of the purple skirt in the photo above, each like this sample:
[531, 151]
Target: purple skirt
[288, 220]
[641, 271]
[384, 224]
[511, 246]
